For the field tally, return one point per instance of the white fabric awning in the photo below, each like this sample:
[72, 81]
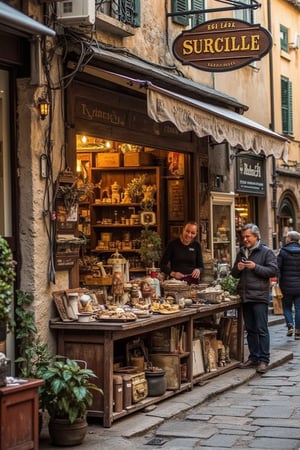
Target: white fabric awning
[204, 119]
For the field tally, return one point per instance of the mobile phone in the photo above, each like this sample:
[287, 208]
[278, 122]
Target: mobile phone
[244, 259]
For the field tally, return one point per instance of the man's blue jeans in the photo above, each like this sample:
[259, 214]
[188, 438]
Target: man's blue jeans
[258, 338]
[290, 301]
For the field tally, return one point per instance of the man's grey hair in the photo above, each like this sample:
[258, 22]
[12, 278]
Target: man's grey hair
[294, 235]
[253, 229]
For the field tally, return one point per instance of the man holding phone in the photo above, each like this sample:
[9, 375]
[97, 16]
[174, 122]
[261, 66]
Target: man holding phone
[255, 264]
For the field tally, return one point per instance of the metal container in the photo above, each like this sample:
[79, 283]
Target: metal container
[127, 391]
[157, 383]
[118, 393]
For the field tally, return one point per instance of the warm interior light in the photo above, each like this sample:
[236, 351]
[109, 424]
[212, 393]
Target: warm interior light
[44, 107]
[78, 166]
[83, 139]
[107, 144]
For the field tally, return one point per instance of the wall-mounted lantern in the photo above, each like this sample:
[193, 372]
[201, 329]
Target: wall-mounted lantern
[43, 107]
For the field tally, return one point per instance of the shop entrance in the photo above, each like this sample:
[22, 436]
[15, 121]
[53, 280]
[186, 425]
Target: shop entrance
[129, 190]
[286, 219]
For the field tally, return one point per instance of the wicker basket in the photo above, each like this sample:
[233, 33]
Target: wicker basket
[176, 290]
[212, 296]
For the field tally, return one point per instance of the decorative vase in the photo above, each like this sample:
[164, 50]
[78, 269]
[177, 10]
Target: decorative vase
[63, 433]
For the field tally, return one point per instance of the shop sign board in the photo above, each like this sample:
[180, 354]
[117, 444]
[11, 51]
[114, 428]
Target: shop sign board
[222, 45]
[251, 174]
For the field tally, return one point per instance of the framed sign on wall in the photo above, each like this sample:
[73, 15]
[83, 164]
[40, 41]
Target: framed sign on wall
[176, 200]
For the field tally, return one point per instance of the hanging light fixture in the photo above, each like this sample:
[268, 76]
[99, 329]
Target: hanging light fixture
[43, 107]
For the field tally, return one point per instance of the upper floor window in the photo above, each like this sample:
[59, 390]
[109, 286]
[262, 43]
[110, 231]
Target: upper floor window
[126, 11]
[188, 5]
[284, 38]
[286, 106]
[247, 15]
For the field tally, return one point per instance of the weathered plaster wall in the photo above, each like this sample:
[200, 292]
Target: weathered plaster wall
[34, 243]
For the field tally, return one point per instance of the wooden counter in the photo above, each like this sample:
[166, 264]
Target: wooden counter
[97, 342]
[19, 421]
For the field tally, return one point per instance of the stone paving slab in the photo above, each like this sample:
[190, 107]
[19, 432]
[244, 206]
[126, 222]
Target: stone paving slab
[290, 390]
[278, 432]
[234, 420]
[204, 417]
[273, 444]
[227, 441]
[293, 423]
[283, 412]
[244, 428]
[227, 411]
[180, 444]
[224, 448]
[272, 382]
[186, 429]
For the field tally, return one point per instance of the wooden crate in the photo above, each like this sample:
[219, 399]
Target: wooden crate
[108, 160]
[170, 362]
[136, 159]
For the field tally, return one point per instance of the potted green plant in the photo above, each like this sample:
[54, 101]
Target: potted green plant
[150, 250]
[7, 277]
[229, 284]
[66, 394]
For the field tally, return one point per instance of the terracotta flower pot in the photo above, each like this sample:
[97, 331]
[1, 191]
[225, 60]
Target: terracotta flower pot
[64, 433]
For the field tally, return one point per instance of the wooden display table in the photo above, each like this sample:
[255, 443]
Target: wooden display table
[101, 343]
[19, 416]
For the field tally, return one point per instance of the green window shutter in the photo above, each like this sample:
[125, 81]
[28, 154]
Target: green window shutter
[178, 6]
[128, 11]
[137, 14]
[197, 18]
[287, 105]
[290, 100]
[284, 38]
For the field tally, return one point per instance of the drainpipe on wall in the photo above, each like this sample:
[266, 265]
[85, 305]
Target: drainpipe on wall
[272, 126]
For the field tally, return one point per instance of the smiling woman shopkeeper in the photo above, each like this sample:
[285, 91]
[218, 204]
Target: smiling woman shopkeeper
[182, 258]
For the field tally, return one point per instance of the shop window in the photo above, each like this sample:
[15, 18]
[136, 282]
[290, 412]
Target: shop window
[286, 106]
[247, 15]
[188, 5]
[284, 38]
[126, 11]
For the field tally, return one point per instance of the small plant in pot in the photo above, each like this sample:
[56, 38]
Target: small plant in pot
[66, 394]
[150, 251]
[7, 277]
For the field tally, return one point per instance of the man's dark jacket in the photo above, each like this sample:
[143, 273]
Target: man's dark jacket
[254, 285]
[288, 261]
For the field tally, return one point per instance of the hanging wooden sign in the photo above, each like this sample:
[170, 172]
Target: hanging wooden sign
[221, 45]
